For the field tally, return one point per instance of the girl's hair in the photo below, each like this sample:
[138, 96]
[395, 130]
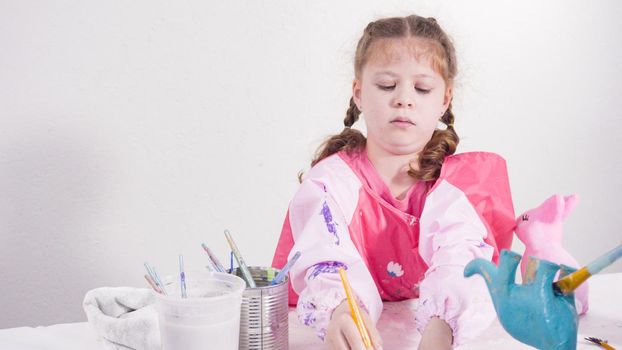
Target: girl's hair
[443, 57]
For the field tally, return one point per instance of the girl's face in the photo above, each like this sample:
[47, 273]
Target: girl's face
[401, 97]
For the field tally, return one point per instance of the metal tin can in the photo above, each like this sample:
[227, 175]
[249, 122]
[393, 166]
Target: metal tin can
[264, 313]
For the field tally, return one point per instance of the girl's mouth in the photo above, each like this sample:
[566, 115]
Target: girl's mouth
[402, 122]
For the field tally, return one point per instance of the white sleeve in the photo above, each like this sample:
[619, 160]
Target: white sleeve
[320, 232]
[452, 234]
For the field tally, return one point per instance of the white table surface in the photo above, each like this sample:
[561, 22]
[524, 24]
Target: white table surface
[603, 320]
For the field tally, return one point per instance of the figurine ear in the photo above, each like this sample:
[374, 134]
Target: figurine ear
[571, 203]
[550, 211]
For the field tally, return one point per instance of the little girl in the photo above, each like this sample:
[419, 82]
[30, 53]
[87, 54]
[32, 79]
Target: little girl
[397, 209]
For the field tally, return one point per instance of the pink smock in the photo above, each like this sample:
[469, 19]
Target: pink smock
[344, 215]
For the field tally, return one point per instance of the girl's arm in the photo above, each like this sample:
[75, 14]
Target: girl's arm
[452, 234]
[467, 215]
[437, 335]
[320, 232]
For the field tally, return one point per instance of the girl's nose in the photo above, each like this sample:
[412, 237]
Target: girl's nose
[404, 101]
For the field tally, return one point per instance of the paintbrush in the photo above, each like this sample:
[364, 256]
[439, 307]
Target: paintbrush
[569, 283]
[354, 309]
[238, 256]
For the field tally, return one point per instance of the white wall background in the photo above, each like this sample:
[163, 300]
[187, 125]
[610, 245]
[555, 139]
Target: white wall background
[133, 131]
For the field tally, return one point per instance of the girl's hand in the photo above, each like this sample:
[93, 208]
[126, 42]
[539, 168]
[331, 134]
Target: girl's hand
[437, 335]
[342, 333]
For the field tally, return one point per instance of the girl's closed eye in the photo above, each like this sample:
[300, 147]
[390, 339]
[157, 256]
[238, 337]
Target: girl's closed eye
[386, 87]
[422, 90]
[390, 87]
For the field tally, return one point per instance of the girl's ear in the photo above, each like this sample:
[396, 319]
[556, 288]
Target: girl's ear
[449, 94]
[356, 93]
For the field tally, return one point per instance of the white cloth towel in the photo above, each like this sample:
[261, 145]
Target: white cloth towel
[123, 317]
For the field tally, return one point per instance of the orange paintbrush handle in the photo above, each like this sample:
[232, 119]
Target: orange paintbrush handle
[354, 309]
[602, 343]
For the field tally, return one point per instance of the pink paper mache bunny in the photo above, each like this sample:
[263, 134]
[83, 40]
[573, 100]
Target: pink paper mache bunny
[541, 230]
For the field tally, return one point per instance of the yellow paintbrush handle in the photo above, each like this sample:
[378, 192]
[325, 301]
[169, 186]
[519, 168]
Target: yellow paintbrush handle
[354, 309]
[572, 281]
